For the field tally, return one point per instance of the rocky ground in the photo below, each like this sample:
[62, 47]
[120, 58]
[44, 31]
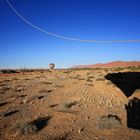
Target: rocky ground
[77, 104]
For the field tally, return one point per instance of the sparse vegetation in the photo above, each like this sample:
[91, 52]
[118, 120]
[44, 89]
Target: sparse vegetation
[69, 104]
[68, 71]
[26, 128]
[46, 83]
[9, 113]
[78, 102]
[3, 103]
[89, 80]
[110, 122]
[9, 71]
[4, 89]
[100, 78]
[80, 78]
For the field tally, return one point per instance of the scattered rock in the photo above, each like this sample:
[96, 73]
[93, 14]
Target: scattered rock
[87, 118]
[25, 101]
[18, 89]
[109, 103]
[80, 129]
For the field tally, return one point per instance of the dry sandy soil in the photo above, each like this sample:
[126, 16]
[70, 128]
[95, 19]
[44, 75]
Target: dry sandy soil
[70, 105]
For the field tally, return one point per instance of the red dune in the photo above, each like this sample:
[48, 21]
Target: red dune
[110, 64]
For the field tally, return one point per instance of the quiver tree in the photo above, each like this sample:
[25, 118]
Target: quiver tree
[51, 66]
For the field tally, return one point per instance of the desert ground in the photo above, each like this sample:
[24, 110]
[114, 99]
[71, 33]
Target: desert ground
[70, 104]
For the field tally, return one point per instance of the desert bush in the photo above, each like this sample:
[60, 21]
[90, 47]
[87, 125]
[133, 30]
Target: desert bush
[71, 77]
[88, 80]
[68, 71]
[119, 69]
[20, 88]
[3, 103]
[134, 68]
[16, 79]
[46, 83]
[9, 113]
[45, 91]
[26, 128]
[9, 71]
[88, 73]
[91, 77]
[69, 104]
[109, 122]
[4, 89]
[89, 84]
[60, 86]
[27, 79]
[80, 78]
[108, 82]
[100, 79]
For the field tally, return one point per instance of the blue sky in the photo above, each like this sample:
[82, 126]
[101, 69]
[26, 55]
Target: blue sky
[23, 46]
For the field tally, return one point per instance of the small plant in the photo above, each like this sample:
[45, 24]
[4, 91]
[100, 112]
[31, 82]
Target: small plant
[89, 79]
[100, 79]
[69, 104]
[59, 86]
[68, 71]
[9, 113]
[8, 71]
[88, 73]
[119, 68]
[42, 91]
[3, 103]
[27, 79]
[16, 79]
[46, 83]
[109, 82]
[26, 128]
[89, 84]
[77, 76]
[110, 122]
[4, 89]
[45, 91]
[80, 78]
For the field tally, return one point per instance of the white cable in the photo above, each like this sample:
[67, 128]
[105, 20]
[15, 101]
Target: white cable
[64, 37]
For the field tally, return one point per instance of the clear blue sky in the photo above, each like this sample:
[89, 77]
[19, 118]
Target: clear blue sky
[23, 46]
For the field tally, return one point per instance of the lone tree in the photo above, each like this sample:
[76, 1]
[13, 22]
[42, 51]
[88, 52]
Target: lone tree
[51, 66]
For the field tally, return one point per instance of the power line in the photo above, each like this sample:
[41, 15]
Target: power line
[61, 36]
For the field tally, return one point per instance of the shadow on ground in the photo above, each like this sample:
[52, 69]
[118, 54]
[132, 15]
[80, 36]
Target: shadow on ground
[40, 123]
[128, 82]
[133, 113]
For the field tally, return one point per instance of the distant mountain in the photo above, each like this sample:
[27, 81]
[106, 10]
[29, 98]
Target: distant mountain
[110, 64]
